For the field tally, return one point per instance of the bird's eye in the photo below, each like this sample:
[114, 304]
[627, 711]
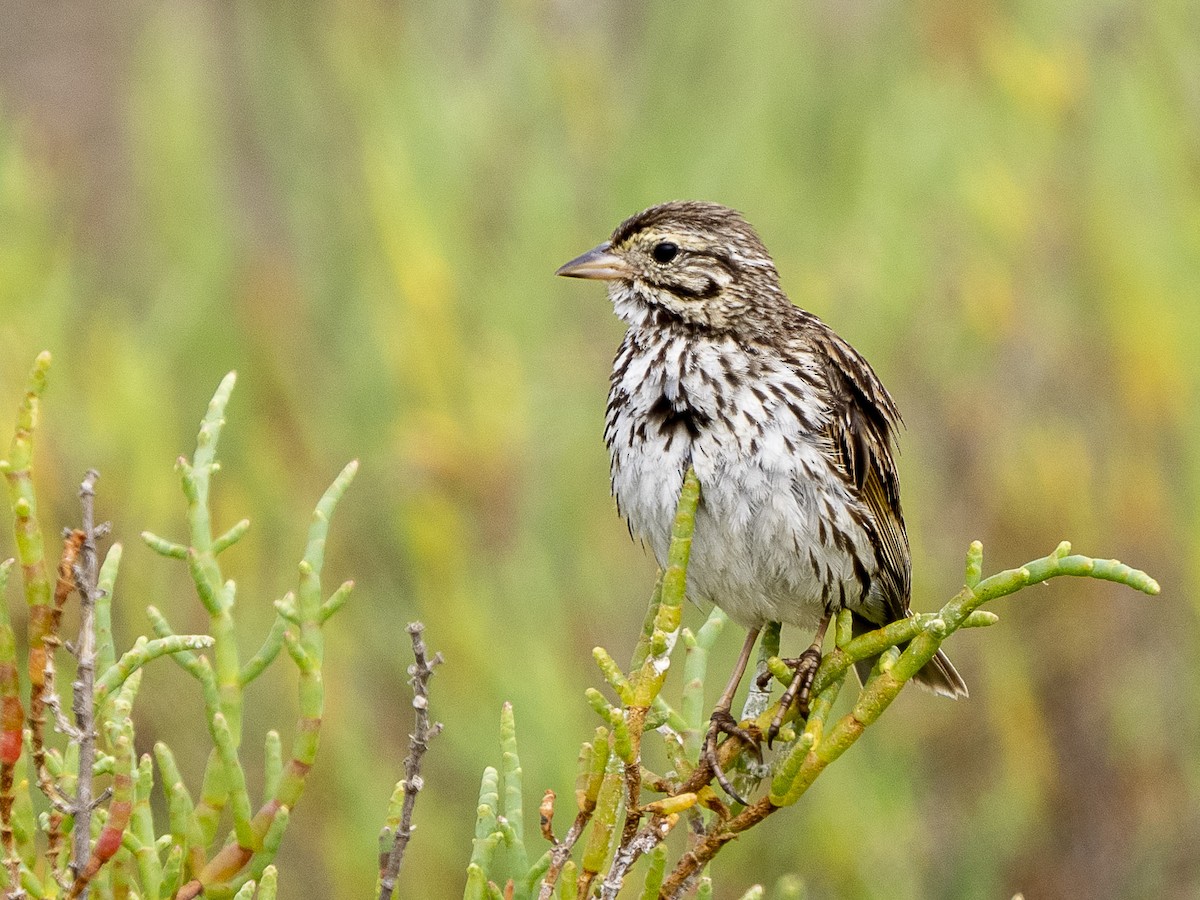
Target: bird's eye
[664, 252]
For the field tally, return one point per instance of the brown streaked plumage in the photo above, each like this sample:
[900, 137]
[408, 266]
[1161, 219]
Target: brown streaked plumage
[789, 430]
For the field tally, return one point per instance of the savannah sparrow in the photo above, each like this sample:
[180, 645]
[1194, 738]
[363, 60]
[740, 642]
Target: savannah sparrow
[788, 428]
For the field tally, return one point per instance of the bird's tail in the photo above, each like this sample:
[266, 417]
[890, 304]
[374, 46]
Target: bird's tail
[937, 675]
[940, 676]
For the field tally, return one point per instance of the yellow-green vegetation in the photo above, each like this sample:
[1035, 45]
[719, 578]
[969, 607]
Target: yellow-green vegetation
[618, 825]
[60, 835]
[360, 209]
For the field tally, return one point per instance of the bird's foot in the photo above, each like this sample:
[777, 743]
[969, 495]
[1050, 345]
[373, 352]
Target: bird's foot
[722, 722]
[804, 668]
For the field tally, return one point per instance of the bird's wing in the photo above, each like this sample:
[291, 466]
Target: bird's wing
[861, 429]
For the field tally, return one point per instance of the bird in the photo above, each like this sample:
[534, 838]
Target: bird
[787, 427]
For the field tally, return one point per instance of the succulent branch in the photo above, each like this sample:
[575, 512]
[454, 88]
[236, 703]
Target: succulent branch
[11, 718]
[17, 470]
[97, 789]
[224, 678]
[618, 825]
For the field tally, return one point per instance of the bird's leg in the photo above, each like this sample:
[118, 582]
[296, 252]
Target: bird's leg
[722, 721]
[805, 668]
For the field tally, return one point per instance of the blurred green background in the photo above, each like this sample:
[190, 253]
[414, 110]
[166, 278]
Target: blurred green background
[360, 207]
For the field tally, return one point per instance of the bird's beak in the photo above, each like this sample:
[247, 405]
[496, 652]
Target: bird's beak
[599, 263]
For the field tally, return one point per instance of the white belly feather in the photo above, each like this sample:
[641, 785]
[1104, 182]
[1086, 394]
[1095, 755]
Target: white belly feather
[760, 550]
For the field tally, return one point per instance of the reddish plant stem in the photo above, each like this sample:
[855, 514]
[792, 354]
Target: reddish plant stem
[110, 837]
[693, 862]
[41, 662]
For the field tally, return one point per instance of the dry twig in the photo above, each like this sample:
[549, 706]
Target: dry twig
[423, 732]
[84, 687]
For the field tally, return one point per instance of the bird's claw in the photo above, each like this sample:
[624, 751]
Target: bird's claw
[763, 681]
[722, 722]
[804, 668]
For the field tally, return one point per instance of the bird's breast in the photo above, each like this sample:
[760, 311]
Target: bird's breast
[749, 427]
[713, 404]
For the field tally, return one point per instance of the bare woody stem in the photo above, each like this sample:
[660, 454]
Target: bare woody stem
[423, 732]
[688, 869]
[83, 707]
[593, 761]
[43, 690]
[119, 812]
[643, 841]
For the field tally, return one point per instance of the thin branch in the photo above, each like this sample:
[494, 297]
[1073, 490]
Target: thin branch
[593, 763]
[421, 671]
[54, 849]
[692, 863]
[44, 693]
[83, 706]
[562, 852]
[119, 812]
[643, 841]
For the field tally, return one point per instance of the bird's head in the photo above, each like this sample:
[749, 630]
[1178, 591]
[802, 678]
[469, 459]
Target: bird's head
[690, 262]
